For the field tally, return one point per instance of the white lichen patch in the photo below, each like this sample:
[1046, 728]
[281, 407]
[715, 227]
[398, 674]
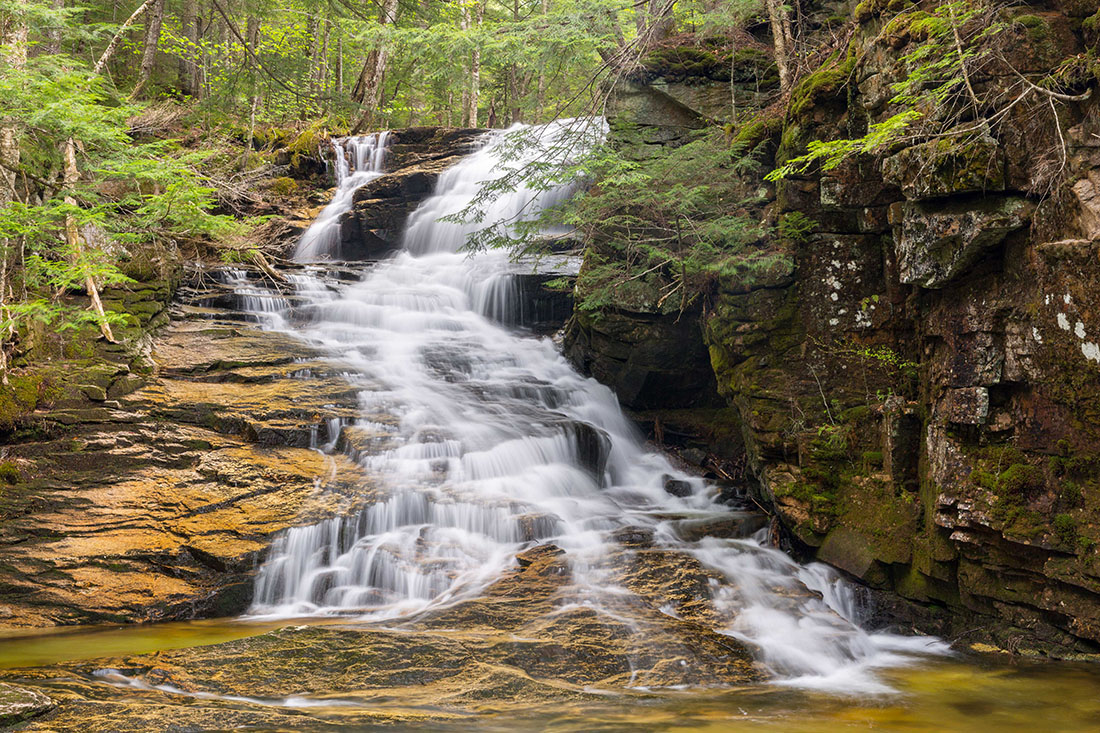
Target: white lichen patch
[1036, 335]
[1074, 326]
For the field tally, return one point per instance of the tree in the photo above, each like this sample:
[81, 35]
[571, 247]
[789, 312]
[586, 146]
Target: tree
[15, 59]
[780, 22]
[153, 21]
[368, 91]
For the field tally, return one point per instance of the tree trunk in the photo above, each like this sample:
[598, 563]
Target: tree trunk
[322, 68]
[474, 87]
[113, 45]
[540, 101]
[185, 64]
[153, 21]
[15, 59]
[252, 38]
[661, 20]
[780, 23]
[340, 65]
[314, 30]
[369, 89]
[72, 237]
[654, 23]
[53, 35]
[513, 78]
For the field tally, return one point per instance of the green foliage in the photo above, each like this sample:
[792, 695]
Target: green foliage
[934, 95]
[796, 226]
[670, 224]
[130, 197]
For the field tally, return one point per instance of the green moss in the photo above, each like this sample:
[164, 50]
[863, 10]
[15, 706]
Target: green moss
[686, 61]
[284, 185]
[870, 9]
[855, 414]
[761, 128]
[1066, 528]
[1091, 25]
[901, 27]
[21, 396]
[1071, 494]
[824, 505]
[820, 87]
[872, 457]
[1018, 479]
[1020, 521]
[9, 472]
[1033, 23]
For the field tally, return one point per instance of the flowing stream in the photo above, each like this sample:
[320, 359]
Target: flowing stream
[485, 440]
[357, 161]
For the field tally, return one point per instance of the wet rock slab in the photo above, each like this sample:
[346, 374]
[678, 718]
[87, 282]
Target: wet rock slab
[156, 505]
[527, 643]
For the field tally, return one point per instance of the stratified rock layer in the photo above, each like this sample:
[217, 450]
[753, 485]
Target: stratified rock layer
[157, 504]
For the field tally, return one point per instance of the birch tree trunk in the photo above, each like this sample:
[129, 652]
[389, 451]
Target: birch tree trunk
[780, 23]
[313, 25]
[73, 239]
[340, 65]
[153, 22]
[113, 45]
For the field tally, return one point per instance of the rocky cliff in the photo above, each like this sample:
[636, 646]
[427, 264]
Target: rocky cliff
[919, 397]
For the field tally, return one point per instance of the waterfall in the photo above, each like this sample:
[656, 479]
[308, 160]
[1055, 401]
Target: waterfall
[357, 161]
[484, 440]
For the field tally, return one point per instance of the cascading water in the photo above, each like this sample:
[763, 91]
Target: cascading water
[484, 440]
[357, 161]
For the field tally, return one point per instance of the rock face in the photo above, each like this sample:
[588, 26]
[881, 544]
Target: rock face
[651, 360]
[920, 397]
[154, 502]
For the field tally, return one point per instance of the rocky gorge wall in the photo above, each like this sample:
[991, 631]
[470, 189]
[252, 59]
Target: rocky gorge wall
[919, 397]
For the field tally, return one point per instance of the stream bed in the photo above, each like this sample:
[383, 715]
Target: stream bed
[971, 692]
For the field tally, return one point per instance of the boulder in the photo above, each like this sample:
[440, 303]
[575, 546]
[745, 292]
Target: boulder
[18, 704]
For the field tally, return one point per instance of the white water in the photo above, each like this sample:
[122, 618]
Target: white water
[487, 440]
[357, 161]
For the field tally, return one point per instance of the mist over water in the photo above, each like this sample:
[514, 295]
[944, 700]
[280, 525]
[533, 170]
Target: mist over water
[482, 440]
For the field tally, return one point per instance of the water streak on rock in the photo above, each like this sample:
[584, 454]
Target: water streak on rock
[357, 161]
